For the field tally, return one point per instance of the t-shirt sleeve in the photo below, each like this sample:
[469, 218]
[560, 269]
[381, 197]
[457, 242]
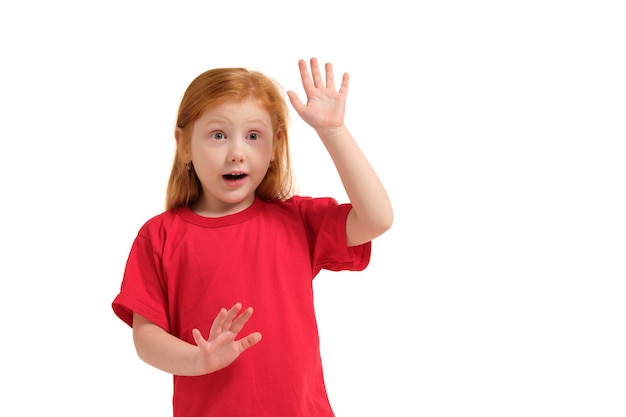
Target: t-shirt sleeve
[143, 290]
[330, 247]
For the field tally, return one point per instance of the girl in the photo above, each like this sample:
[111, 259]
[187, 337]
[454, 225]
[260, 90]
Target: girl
[234, 235]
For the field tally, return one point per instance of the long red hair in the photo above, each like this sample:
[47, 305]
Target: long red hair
[213, 88]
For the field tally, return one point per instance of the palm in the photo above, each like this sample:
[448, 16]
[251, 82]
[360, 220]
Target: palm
[221, 348]
[325, 106]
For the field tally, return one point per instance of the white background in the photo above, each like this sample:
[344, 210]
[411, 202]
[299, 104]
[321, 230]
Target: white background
[498, 128]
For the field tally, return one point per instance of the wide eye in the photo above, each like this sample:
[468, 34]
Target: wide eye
[218, 135]
[253, 136]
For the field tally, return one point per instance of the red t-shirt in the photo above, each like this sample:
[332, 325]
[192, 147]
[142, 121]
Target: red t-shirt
[183, 268]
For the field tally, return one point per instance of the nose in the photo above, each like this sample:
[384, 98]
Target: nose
[235, 151]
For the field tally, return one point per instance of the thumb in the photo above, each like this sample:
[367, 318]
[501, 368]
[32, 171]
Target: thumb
[197, 336]
[295, 101]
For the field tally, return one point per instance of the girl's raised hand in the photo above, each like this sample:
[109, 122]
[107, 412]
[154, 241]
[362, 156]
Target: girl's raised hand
[325, 106]
[221, 348]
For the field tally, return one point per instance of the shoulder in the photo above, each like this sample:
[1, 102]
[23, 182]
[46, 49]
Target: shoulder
[306, 204]
[159, 224]
[300, 206]
[313, 211]
[160, 219]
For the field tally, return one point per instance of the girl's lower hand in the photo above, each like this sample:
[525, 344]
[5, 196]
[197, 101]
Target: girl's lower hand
[221, 348]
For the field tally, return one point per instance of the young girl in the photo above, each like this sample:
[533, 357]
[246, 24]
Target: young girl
[233, 237]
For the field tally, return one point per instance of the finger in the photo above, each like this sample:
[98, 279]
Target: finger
[218, 323]
[345, 82]
[317, 75]
[240, 321]
[250, 340]
[330, 78]
[230, 316]
[307, 83]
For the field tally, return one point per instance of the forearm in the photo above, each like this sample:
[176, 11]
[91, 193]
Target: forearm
[371, 213]
[164, 351]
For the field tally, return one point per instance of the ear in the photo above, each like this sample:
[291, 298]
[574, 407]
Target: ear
[182, 147]
[277, 138]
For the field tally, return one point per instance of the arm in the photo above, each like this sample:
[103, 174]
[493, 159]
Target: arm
[371, 213]
[168, 353]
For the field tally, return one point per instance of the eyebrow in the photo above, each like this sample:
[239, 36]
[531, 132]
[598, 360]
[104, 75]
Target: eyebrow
[218, 119]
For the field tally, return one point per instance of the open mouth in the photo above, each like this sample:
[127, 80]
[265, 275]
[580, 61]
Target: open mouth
[235, 176]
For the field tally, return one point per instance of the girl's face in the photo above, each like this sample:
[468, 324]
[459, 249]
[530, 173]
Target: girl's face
[231, 150]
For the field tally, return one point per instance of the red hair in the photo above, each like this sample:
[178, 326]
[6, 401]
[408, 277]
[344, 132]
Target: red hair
[213, 88]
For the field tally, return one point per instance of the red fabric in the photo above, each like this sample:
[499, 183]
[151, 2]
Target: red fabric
[183, 268]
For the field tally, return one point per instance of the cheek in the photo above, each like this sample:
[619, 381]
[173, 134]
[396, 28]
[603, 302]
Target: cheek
[205, 161]
[272, 151]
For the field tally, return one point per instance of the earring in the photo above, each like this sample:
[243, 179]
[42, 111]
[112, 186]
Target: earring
[189, 166]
